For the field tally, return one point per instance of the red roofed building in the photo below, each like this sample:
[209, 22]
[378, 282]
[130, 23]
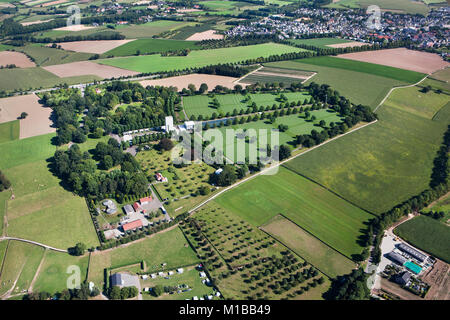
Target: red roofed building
[145, 200]
[137, 207]
[132, 225]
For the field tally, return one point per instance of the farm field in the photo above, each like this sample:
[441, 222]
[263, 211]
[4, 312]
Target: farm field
[381, 165]
[366, 67]
[45, 56]
[97, 46]
[198, 58]
[67, 220]
[275, 75]
[149, 46]
[328, 217]
[9, 131]
[24, 79]
[418, 61]
[202, 104]
[322, 43]
[354, 87]
[37, 122]
[296, 125]
[87, 68]
[149, 29]
[309, 247]
[232, 242]
[16, 58]
[167, 247]
[181, 82]
[427, 234]
[20, 263]
[53, 274]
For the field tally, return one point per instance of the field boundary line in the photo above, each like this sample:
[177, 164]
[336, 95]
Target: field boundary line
[277, 165]
[3, 260]
[246, 75]
[400, 87]
[35, 243]
[326, 188]
[311, 234]
[38, 270]
[287, 247]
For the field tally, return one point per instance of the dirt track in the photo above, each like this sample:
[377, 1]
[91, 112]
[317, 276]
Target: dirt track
[402, 58]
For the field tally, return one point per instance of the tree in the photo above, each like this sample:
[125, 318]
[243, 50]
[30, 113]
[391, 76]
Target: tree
[226, 177]
[165, 144]
[79, 249]
[23, 115]
[203, 88]
[157, 290]
[4, 182]
[114, 293]
[204, 190]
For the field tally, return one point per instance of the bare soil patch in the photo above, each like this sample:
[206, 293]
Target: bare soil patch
[34, 22]
[348, 44]
[75, 27]
[402, 58]
[83, 68]
[97, 46]
[188, 10]
[438, 278]
[53, 3]
[196, 79]
[38, 120]
[17, 58]
[206, 35]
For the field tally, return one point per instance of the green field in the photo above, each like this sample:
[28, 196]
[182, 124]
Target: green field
[168, 247]
[367, 68]
[150, 29]
[383, 164]
[9, 131]
[198, 58]
[308, 247]
[427, 234]
[351, 84]
[320, 42]
[201, 104]
[148, 46]
[53, 274]
[45, 56]
[326, 216]
[296, 125]
[20, 263]
[28, 78]
[40, 202]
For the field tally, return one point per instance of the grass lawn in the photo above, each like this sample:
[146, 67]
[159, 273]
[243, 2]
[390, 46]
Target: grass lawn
[4, 196]
[349, 83]
[328, 217]
[202, 104]
[148, 46]
[168, 247]
[320, 42]
[427, 234]
[9, 131]
[21, 262]
[308, 247]
[198, 58]
[189, 277]
[53, 274]
[381, 165]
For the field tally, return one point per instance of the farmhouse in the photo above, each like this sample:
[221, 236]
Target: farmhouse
[145, 200]
[403, 278]
[132, 225]
[137, 207]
